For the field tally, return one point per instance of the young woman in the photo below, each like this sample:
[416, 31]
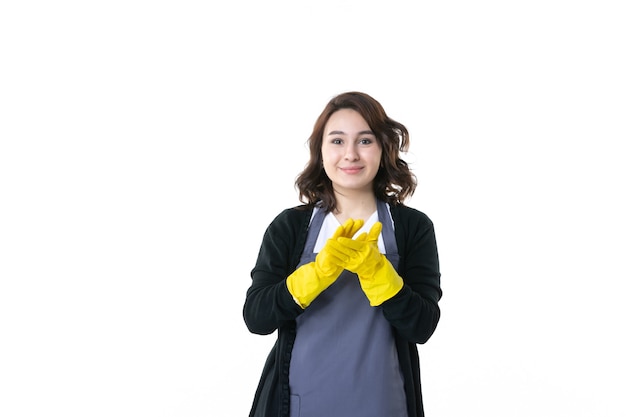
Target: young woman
[350, 278]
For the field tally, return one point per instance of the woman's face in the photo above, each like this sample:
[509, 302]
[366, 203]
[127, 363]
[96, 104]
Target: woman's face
[351, 154]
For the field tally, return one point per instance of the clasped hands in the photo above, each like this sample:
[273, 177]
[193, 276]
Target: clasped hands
[377, 276]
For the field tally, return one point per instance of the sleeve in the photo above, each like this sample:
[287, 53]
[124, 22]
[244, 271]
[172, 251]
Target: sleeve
[268, 303]
[414, 312]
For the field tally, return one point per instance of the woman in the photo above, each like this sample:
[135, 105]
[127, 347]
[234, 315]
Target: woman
[350, 278]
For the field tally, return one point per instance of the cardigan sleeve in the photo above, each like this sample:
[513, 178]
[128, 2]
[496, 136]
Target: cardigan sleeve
[414, 312]
[268, 303]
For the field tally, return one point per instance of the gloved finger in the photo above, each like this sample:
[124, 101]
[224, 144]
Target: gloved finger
[335, 261]
[362, 237]
[355, 245]
[372, 235]
[341, 229]
[338, 250]
[354, 227]
[374, 232]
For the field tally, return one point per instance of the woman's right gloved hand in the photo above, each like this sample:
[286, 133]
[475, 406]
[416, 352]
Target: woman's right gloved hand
[379, 279]
[309, 280]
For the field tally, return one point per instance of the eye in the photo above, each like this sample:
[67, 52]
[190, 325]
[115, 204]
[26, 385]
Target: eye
[366, 141]
[336, 141]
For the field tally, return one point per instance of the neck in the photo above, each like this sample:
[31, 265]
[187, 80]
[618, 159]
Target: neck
[355, 207]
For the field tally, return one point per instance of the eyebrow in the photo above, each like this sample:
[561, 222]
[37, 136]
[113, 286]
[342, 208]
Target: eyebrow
[339, 132]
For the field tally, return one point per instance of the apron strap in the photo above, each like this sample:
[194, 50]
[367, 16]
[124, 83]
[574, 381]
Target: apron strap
[389, 236]
[314, 230]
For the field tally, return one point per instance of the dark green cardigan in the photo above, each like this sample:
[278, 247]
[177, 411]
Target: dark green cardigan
[413, 312]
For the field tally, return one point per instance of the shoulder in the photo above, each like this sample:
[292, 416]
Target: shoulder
[410, 217]
[285, 236]
[290, 223]
[293, 216]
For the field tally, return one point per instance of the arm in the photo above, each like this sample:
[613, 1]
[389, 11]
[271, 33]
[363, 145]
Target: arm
[304, 284]
[414, 310]
[268, 303]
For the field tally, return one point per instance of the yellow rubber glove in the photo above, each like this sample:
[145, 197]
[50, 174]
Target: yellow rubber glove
[379, 279]
[309, 280]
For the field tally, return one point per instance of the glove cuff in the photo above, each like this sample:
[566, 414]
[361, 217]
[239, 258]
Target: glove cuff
[305, 284]
[384, 284]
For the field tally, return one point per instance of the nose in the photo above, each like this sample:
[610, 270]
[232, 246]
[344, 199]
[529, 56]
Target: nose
[351, 153]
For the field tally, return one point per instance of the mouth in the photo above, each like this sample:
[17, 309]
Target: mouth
[351, 170]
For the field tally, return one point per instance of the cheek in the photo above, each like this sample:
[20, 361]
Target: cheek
[376, 158]
[327, 155]
[325, 158]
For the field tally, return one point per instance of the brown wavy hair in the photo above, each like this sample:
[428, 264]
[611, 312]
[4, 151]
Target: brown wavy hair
[394, 181]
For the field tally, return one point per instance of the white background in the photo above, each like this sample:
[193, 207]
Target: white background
[145, 147]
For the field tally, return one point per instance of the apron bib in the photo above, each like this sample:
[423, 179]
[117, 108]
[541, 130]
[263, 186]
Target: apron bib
[344, 360]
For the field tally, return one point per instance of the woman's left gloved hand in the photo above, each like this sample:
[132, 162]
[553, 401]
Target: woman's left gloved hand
[308, 281]
[379, 280]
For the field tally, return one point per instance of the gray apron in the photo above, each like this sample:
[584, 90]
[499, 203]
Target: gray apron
[344, 361]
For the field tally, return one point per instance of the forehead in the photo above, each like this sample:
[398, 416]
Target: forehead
[346, 121]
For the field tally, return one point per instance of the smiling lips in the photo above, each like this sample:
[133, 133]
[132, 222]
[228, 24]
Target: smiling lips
[351, 170]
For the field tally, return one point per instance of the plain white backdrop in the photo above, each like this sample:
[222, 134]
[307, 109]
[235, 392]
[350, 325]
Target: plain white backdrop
[145, 147]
